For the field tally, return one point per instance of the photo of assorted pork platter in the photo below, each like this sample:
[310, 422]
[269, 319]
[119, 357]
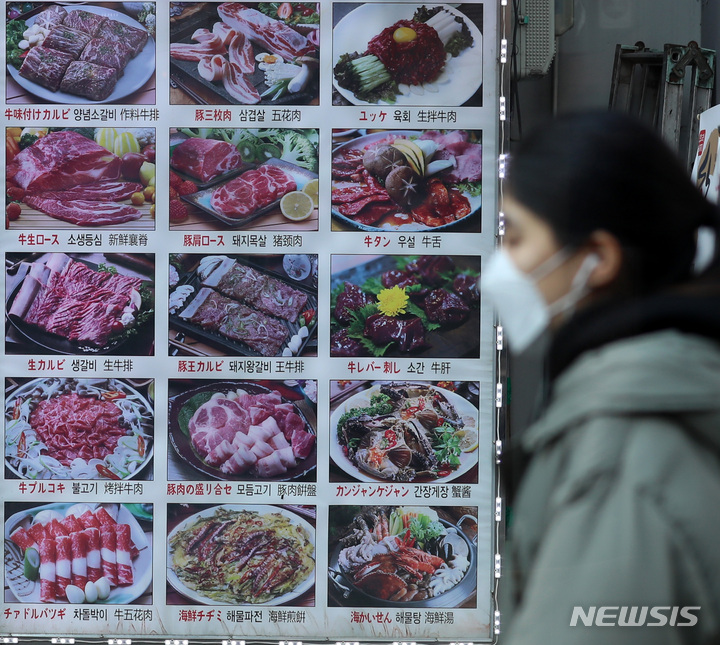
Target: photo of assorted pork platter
[79, 553]
[407, 54]
[236, 554]
[242, 430]
[243, 305]
[402, 556]
[70, 428]
[84, 304]
[407, 180]
[244, 53]
[65, 178]
[405, 306]
[235, 178]
[404, 431]
[80, 53]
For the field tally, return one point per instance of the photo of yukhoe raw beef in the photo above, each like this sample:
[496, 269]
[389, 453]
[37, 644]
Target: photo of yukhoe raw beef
[80, 51]
[68, 176]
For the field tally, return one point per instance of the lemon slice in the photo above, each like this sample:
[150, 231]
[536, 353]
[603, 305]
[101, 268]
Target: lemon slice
[296, 205]
[468, 440]
[311, 188]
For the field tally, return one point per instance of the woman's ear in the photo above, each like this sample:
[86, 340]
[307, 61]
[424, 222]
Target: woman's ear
[610, 254]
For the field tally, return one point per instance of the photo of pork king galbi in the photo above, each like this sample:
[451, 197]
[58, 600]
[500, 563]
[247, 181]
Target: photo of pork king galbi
[64, 178]
[243, 305]
[87, 304]
[80, 52]
[408, 557]
[250, 179]
[242, 430]
[254, 53]
[407, 306]
[407, 180]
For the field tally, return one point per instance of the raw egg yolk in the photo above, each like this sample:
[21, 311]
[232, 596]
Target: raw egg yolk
[404, 35]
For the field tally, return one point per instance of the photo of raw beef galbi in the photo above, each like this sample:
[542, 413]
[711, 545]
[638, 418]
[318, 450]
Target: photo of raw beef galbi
[404, 431]
[244, 53]
[407, 54]
[259, 179]
[81, 53]
[64, 178]
[69, 428]
[240, 430]
[407, 180]
[243, 305]
[425, 305]
[79, 553]
[80, 304]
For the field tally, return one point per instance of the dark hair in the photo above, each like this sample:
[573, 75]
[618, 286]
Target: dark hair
[607, 171]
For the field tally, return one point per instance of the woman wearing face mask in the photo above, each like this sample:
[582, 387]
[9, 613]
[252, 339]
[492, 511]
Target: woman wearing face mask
[619, 501]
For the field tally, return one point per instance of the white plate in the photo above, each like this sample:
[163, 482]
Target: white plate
[136, 74]
[357, 28]
[261, 509]
[142, 565]
[464, 408]
[26, 389]
[362, 142]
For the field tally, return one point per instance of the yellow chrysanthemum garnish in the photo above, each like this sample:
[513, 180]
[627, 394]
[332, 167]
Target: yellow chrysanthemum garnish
[393, 301]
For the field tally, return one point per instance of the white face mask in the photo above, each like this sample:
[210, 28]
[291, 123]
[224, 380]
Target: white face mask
[522, 310]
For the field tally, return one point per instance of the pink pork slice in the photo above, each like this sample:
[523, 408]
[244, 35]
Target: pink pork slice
[205, 159]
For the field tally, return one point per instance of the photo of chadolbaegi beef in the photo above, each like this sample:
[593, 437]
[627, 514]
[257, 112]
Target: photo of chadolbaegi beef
[240, 305]
[111, 50]
[68, 177]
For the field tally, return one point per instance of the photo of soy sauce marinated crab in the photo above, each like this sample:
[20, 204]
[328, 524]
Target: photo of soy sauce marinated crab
[400, 305]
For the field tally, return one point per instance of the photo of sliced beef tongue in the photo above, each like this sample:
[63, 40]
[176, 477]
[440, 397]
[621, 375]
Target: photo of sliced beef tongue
[84, 212]
[102, 191]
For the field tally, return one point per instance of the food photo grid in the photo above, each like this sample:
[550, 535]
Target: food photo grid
[249, 378]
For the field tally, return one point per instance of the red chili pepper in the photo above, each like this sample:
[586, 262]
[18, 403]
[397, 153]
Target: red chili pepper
[22, 445]
[106, 472]
[16, 409]
[113, 396]
[141, 446]
[308, 316]
[391, 438]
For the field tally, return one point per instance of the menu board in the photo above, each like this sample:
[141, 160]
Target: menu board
[250, 384]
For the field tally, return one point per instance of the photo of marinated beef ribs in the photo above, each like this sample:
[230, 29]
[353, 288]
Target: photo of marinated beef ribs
[45, 67]
[67, 40]
[89, 80]
[205, 159]
[51, 17]
[280, 299]
[62, 160]
[259, 332]
[242, 282]
[211, 310]
[118, 32]
[107, 54]
[85, 21]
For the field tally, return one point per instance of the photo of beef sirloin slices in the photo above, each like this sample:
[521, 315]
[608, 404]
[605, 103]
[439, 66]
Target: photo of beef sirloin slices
[80, 304]
[242, 430]
[103, 41]
[240, 305]
[405, 306]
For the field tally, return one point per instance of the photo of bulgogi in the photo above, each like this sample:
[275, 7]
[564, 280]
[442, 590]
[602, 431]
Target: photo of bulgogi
[406, 432]
[243, 305]
[409, 306]
[263, 180]
[407, 54]
[252, 53]
[402, 556]
[84, 553]
[241, 555]
[80, 303]
[82, 53]
[63, 178]
[68, 428]
[408, 181]
[242, 430]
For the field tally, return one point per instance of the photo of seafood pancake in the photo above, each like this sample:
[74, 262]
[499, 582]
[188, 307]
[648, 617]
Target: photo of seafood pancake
[400, 431]
[402, 556]
[240, 555]
[407, 54]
